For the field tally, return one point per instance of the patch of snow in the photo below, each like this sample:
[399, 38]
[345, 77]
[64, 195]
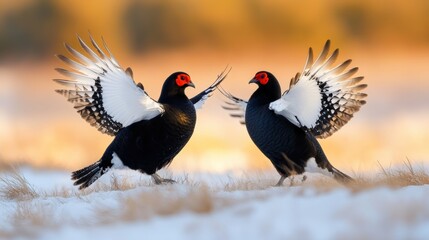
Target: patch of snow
[289, 212]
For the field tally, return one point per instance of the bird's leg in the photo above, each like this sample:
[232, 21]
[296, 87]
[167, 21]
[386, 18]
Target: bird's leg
[292, 181]
[280, 182]
[167, 180]
[304, 177]
[159, 180]
[156, 178]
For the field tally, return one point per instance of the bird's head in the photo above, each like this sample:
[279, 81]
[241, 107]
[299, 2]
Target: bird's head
[263, 78]
[266, 82]
[182, 80]
[176, 83]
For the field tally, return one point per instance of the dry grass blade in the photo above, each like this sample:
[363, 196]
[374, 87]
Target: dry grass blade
[408, 176]
[392, 178]
[159, 202]
[32, 214]
[117, 184]
[14, 186]
[27, 220]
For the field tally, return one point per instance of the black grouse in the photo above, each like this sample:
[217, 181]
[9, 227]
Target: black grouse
[148, 134]
[285, 126]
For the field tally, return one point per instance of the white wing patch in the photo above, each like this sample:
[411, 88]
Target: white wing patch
[301, 105]
[323, 98]
[102, 92]
[127, 102]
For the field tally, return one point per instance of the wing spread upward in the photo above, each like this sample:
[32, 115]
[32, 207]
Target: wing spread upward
[323, 98]
[201, 98]
[237, 106]
[103, 93]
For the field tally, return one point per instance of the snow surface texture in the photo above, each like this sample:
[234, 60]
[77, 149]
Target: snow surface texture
[207, 206]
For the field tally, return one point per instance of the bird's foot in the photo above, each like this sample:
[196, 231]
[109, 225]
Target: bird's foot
[292, 180]
[168, 181]
[159, 180]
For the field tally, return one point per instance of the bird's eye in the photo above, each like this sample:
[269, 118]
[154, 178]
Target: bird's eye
[262, 77]
[182, 79]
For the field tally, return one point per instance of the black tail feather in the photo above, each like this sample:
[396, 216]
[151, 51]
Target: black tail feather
[86, 176]
[322, 162]
[78, 174]
[340, 176]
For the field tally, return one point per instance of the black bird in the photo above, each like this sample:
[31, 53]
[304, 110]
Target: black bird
[148, 134]
[285, 126]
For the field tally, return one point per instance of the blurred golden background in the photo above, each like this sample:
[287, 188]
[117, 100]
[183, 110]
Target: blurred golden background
[388, 40]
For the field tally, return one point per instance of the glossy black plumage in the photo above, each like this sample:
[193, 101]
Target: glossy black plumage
[148, 134]
[150, 145]
[287, 146]
[319, 101]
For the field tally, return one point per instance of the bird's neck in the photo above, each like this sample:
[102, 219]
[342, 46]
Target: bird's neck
[177, 98]
[265, 95]
[175, 95]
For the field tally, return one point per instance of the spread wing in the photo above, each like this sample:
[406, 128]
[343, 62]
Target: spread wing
[237, 106]
[201, 98]
[323, 98]
[103, 93]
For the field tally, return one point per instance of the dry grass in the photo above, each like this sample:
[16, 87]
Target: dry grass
[162, 201]
[143, 200]
[263, 180]
[407, 175]
[28, 218]
[201, 199]
[116, 184]
[14, 186]
[32, 215]
[392, 178]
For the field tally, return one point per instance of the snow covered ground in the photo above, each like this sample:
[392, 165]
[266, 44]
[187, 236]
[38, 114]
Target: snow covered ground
[127, 205]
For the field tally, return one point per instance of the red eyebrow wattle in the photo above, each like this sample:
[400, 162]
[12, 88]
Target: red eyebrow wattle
[262, 77]
[182, 79]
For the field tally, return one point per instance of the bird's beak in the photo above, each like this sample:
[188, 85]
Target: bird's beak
[191, 84]
[253, 81]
